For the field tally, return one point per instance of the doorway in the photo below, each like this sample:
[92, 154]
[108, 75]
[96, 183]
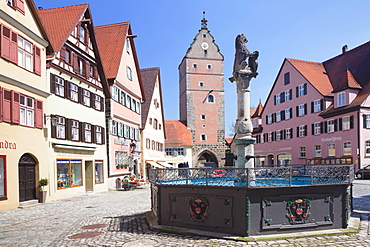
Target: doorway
[89, 176]
[27, 178]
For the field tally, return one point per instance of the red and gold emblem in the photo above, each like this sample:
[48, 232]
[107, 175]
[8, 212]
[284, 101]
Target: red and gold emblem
[298, 210]
[198, 208]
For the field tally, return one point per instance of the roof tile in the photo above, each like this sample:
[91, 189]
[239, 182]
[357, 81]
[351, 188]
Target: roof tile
[177, 134]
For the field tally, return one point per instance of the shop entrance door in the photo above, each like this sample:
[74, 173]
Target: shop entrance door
[89, 175]
[27, 178]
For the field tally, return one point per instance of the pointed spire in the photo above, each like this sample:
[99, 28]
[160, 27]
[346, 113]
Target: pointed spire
[204, 22]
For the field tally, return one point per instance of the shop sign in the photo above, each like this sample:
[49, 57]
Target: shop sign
[331, 139]
[118, 141]
[8, 145]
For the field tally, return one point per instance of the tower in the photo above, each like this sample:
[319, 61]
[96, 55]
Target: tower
[201, 92]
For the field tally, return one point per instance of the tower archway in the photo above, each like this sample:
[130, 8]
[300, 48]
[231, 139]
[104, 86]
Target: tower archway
[207, 159]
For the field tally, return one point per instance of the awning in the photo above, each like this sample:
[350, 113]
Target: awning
[152, 163]
[165, 164]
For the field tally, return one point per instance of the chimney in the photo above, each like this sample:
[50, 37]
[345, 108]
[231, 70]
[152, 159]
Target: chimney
[344, 49]
[40, 8]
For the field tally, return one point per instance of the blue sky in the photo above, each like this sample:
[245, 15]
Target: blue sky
[312, 30]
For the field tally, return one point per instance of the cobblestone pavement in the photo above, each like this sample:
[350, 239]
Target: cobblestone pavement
[117, 218]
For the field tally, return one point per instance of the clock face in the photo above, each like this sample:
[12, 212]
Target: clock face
[204, 46]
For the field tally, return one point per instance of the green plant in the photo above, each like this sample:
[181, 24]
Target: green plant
[43, 182]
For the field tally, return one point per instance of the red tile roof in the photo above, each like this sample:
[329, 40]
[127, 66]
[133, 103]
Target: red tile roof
[60, 22]
[347, 81]
[177, 134]
[111, 41]
[315, 73]
[258, 111]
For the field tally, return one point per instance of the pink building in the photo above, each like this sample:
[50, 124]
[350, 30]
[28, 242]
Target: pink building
[120, 62]
[317, 113]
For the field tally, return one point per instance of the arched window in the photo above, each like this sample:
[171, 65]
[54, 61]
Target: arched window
[211, 98]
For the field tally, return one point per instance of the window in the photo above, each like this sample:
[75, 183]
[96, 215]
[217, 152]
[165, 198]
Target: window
[367, 148]
[99, 175]
[153, 145]
[201, 83]
[122, 99]
[25, 54]
[82, 33]
[3, 177]
[75, 130]
[366, 118]
[99, 135]
[255, 123]
[147, 141]
[347, 148]
[288, 95]
[286, 78]
[68, 56]
[301, 90]
[60, 127]
[317, 105]
[69, 173]
[168, 151]
[331, 149]
[203, 117]
[129, 73]
[278, 135]
[10, 2]
[288, 134]
[203, 137]
[278, 116]
[341, 99]
[113, 127]
[262, 138]
[317, 128]
[81, 67]
[59, 86]
[302, 131]
[128, 101]
[209, 66]
[211, 98]
[180, 151]
[269, 119]
[317, 150]
[73, 92]
[97, 102]
[288, 113]
[195, 65]
[155, 124]
[346, 123]
[269, 137]
[302, 152]
[26, 110]
[92, 69]
[277, 99]
[301, 110]
[128, 45]
[330, 126]
[121, 158]
[87, 131]
[86, 97]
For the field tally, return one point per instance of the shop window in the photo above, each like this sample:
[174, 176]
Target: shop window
[99, 175]
[317, 150]
[69, 173]
[347, 148]
[3, 195]
[367, 148]
[331, 149]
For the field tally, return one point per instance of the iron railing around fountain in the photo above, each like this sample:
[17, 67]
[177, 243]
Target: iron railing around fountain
[298, 175]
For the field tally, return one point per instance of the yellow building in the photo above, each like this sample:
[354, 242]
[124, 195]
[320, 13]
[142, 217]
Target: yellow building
[23, 84]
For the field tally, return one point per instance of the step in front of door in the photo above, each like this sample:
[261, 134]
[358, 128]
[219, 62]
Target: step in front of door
[30, 203]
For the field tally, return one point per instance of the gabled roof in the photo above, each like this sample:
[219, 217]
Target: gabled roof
[111, 41]
[177, 134]
[149, 77]
[60, 22]
[315, 73]
[347, 82]
[257, 111]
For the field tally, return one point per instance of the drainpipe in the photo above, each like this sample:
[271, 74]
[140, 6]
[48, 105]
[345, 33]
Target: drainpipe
[358, 139]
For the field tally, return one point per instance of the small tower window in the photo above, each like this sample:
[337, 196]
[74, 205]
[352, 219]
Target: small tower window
[204, 35]
[211, 98]
[203, 137]
[201, 84]
[203, 117]
[205, 52]
[209, 66]
[195, 65]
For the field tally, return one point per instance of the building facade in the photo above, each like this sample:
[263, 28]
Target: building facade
[75, 118]
[23, 90]
[317, 113]
[152, 123]
[121, 66]
[201, 90]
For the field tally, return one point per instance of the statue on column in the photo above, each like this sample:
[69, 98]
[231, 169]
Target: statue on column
[242, 67]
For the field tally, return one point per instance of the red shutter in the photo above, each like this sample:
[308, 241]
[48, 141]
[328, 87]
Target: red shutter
[95, 72]
[15, 107]
[6, 101]
[52, 83]
[5, 42]
[37, 60]
[20, 5]
[39, 113]
[86, 72]
[75, 62]
[14, 48]
[63, 53]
